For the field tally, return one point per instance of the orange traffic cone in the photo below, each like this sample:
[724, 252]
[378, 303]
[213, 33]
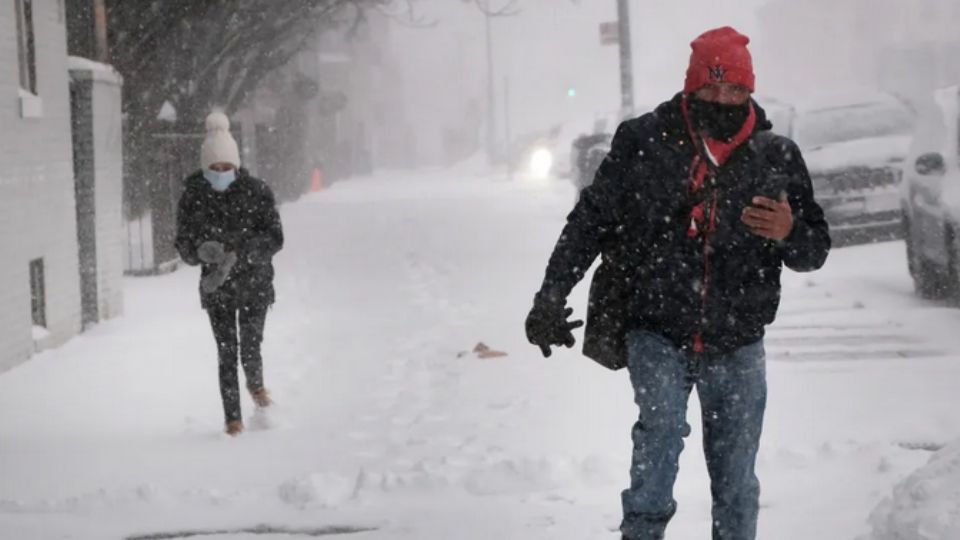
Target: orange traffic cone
[316, 183]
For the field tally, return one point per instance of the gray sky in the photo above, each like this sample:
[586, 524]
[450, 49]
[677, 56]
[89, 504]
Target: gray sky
[551, 46]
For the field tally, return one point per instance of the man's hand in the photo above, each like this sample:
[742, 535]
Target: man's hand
[769, 218]
[548, 326]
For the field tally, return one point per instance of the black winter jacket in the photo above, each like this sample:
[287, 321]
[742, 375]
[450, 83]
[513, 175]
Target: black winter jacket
[244, 218]
[636, 217]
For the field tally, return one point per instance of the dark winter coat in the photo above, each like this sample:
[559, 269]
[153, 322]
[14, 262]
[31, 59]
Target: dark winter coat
[636, 217]
[245, 220]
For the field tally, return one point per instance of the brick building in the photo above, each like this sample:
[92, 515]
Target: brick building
[39, 287]
[43, 233]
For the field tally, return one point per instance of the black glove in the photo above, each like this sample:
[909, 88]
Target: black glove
[547, 326]
[212, 281]
[211, 252]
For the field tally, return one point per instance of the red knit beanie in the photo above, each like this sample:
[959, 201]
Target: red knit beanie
[720, 55]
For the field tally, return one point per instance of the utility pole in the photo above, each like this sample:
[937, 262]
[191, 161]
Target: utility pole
[506, 125]
[100, 31]
[626, 58]
[491, 112]
[87, 29]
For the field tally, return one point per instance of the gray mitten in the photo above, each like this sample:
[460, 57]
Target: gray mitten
[211, 252]
[212, 281]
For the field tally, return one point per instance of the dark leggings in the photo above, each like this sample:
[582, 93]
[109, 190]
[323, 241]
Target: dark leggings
[239, 333]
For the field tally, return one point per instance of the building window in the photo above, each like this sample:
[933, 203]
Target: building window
[26, 45]
[38, 293]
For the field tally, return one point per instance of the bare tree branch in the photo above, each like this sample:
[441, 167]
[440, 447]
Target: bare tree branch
[404, 12]
[197, 52]
[507, 9]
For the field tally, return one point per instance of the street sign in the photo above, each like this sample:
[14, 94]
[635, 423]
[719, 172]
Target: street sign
[610, 33]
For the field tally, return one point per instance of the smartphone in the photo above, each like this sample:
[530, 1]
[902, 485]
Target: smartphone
[775, 186]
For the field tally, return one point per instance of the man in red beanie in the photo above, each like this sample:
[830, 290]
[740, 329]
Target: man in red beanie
[694, 213]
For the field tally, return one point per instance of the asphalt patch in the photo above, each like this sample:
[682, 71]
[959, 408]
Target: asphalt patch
[259, 530]
[925, 446]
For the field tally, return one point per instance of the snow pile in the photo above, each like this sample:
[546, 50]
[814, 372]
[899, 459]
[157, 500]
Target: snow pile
[318, 490]
[530, 475]
[492, 477]
[925, 506]
[421, 478]
[40, 333]
[99, 70]
[871, 152]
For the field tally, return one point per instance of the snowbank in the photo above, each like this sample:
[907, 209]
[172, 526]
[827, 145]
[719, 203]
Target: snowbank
[873, 152]
[323, 490]
[925, 506]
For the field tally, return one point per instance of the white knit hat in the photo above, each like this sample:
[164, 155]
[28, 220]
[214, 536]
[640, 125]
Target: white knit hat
[219, 146]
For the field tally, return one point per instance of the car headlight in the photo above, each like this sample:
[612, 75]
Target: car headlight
[541, 163]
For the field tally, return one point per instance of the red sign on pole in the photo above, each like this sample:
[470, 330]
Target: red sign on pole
[609, 33]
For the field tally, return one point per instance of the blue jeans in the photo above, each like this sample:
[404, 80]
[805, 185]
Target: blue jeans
[733, 395]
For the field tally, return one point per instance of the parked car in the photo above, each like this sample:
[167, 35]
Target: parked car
[589, 150]
[930, 198]
[855, 149]
[586, 155]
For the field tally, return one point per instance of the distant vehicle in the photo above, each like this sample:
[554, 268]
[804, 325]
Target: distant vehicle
[854, 149]
[534, 156]
[587, 154]
[589, 150]
[930, 196]
[551, 153]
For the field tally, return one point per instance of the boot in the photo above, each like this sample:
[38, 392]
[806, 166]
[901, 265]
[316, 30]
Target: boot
[234, 428]
[261, 397]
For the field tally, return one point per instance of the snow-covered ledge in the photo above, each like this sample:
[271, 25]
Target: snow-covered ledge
[31, 105]
[924, 506]
[84, 67]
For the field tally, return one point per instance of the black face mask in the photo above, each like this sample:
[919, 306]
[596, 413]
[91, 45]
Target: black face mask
[716, 120]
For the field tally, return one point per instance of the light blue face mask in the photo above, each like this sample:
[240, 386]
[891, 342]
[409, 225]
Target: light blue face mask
[220, 181]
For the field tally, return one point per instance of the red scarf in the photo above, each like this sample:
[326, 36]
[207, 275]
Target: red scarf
[718, 153]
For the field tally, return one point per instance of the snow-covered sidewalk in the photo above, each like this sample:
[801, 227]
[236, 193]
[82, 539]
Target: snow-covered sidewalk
[384, 423]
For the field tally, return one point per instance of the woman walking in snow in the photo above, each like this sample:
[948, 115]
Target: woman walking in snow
[227, 222]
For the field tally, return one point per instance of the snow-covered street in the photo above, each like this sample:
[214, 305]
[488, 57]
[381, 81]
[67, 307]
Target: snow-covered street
[386, 421]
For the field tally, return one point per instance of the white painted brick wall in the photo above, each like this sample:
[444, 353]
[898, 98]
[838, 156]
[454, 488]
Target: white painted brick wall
[107, 126]
[37, 211]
